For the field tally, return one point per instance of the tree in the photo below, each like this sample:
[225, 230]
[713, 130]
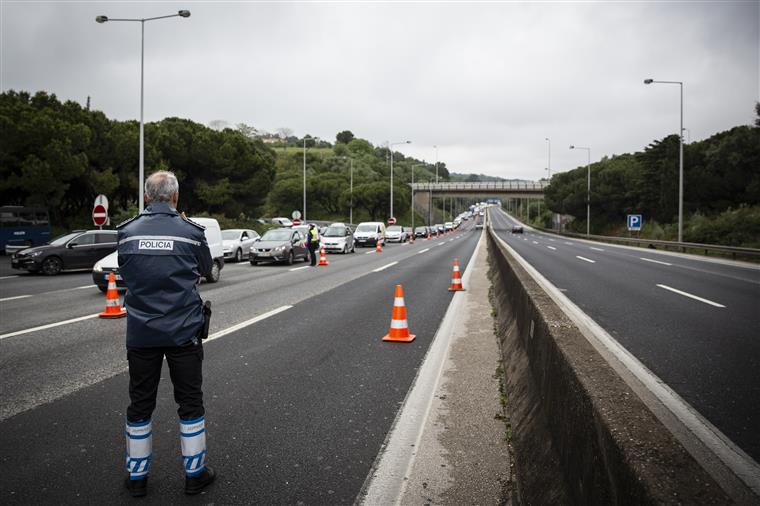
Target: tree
[344, 137]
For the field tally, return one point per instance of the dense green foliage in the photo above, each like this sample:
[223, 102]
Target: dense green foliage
[721, 175]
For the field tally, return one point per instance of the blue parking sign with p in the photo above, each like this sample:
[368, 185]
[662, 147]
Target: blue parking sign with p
[634, 222]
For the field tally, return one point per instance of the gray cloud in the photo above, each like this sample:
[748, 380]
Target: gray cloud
[486, 82]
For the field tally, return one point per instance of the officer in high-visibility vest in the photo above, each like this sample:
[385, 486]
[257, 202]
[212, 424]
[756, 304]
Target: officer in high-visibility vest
[312, 242]
[162, 256]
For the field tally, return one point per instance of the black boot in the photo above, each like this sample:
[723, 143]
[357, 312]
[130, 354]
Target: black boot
[137, 488]
[195, 484]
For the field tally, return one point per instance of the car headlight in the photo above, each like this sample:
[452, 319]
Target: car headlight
[280, 248]
[97, 267]
[35, 253]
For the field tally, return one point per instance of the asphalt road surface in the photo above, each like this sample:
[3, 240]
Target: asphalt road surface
[694, 323]
[298, 403]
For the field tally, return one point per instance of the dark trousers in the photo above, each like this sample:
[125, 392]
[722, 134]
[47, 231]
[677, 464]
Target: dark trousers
[185, 370]
[313, 253]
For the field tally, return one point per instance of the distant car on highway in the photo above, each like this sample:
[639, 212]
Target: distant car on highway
[338, 238]
[440, 228]
[76, 250]
[237, 242]
[279, 245]
[213, 234]
[396, 233]
[448, 226]
[370, 233]
[282, 222]
[420, 232]
[517, 229]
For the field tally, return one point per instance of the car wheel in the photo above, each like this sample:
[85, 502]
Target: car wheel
[345, 249]
[51, 266]
[216, 272]
[290, 258]
[254, 262]
[239, 255]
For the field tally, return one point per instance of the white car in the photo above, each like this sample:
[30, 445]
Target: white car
[237, 243]
[370, 233]
[338, 238]
[282, 222]
[110, 263]
[396, 233]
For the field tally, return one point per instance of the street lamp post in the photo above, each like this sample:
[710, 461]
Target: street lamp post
[436, 164]
[351, 186]
[104, 19]
[412, 208]
[390, 145]
[680, 157]
[588, 188]
[549, 153]
[304, 174]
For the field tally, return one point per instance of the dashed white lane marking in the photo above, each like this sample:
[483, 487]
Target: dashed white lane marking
[77, 288]
[552, 240]
[552, 248]
[384, 267]
[586, 259]
[14, 298]
[48, 326]
[9, 277]
[534, 242]
[241, 325]
[691, 296]
[369, 252]
[655, 261]
[568, 243]
[423, 251]
[299, 268]
[451, 240]
[596, 249]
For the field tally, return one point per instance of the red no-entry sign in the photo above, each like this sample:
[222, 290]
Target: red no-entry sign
[99, 215]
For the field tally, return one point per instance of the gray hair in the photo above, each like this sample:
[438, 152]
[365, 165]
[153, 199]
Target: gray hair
[161, 186]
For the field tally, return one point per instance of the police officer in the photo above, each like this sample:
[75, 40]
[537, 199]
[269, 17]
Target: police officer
[162, 256]
[312, 242]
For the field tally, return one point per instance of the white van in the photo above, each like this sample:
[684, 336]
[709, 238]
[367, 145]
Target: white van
[213, 232]
[369, 233]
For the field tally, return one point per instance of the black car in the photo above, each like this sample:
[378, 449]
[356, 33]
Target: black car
[77, 250]
[421, 231]
[517, 229]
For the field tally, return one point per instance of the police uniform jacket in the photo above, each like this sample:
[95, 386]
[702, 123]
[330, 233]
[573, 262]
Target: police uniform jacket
[161, 258]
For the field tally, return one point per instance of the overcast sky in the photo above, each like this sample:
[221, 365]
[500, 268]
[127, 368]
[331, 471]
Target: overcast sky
[486, 82]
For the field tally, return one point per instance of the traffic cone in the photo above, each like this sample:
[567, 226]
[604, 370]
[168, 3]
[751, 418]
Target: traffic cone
[378, 248]
[456, 280]
[428, 235]
[322, 257]
[399, 331]
[113, 309]
[411, 238]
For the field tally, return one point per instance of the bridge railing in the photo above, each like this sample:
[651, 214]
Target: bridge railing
[489, 186]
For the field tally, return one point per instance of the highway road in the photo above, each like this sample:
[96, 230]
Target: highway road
[693, 322]
[300, 390]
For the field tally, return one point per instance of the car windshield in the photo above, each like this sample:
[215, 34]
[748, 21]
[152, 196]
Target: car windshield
[420, 229]
[335, 232]
[229, 235]
[60, 241]
[366, 227]
[394, 228]
[276, 235]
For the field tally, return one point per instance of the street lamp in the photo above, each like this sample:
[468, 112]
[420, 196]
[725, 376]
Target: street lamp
[588, 189]
[351, 186]
[436, 164]
[103, 19]
[549, 167]
[680, 157]
[412, 208]
[304, 173]
[390, 145]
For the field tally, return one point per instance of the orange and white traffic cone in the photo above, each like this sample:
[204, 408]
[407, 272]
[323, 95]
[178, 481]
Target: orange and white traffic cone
[323, 257]
[411, 238]
[456, 280]
[399, 331]
[378, 248]
[113, 309]
[428, 235]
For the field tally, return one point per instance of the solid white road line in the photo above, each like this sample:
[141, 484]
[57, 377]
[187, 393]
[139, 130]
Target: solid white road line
[369, 252]
[552, 248]
[384, 267]
[9, 277]
[686, 294]
[655, 261]
[48, 326]
[586, 259]
[299, 268]
[241, 325]
[596, 249]
[14, 298]
[423, 251]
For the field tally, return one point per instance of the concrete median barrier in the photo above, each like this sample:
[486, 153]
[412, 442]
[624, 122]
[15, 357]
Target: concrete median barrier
[581, 435]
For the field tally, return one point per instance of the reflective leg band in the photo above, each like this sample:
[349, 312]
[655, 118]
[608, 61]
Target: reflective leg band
[139, 449]
[193, 439]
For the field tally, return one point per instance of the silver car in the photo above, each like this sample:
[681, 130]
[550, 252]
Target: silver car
[338, 238]
[237, 242]
[279, 245]
[396, 233]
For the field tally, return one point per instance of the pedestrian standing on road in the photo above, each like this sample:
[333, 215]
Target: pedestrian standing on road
[313, 243]
[162, 256]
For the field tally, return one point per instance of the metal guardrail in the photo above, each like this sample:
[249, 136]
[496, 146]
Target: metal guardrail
[680, 246]
[491, 186]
